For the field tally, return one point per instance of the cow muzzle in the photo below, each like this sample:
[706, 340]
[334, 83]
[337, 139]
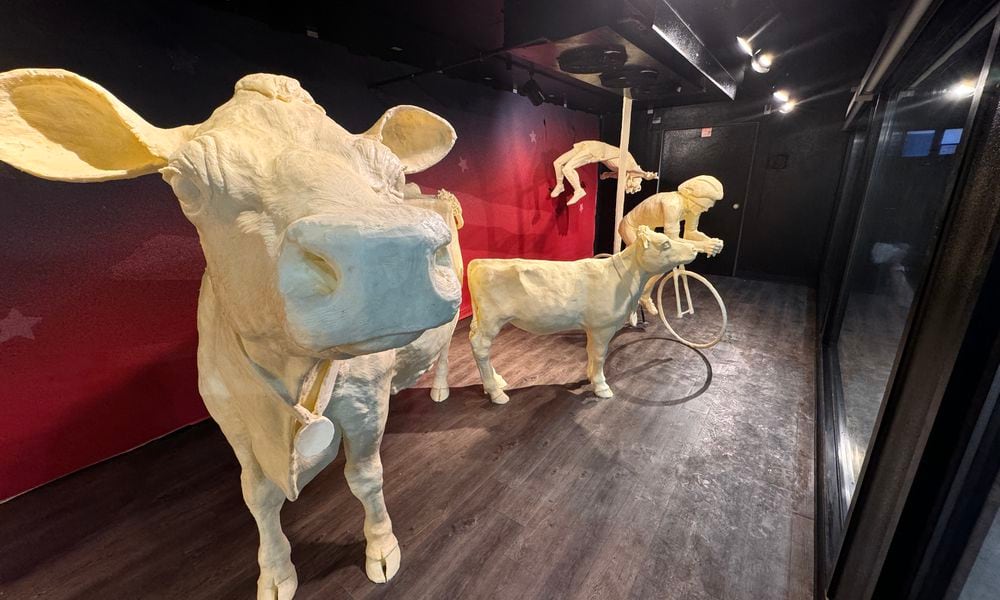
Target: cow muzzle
[355, 285]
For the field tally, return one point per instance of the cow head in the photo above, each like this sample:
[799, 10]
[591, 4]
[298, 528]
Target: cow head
[657, 253]
[309, 246]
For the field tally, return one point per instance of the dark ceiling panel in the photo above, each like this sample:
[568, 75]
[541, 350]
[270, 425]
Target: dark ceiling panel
[819, 45]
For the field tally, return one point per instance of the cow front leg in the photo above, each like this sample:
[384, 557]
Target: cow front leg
[362, 421]
[439, 389]
[481, 337]
[597, 351]
[277, 579]
[646, 300]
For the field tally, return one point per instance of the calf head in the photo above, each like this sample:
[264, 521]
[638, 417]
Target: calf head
[657, 253]
[309, 246]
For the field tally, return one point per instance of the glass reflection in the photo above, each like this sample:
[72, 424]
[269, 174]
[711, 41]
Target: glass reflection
[908, 191]
[983, 582]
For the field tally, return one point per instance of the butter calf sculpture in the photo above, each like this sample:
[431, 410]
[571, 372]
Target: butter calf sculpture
[542, 297]
[304, 229]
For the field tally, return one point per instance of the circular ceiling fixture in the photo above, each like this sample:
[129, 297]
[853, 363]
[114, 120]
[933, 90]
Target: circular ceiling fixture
[593, 58]
[628, 77]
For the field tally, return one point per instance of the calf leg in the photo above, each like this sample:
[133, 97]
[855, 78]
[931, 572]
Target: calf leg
[481, 336]
[439, 389]
[362, 422]
[277, 579]
[647, 297]
[597, 351]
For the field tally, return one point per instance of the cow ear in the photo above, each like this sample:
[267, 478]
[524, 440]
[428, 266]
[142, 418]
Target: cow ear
[419, 138]
[644, 235]
[58, 125]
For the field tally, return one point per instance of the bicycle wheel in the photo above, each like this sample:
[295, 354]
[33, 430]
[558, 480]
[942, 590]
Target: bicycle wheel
[706, 335]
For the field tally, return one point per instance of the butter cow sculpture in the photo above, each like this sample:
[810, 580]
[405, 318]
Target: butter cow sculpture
[542, 296]
[304, 229]
[589, 152]
[667, 209]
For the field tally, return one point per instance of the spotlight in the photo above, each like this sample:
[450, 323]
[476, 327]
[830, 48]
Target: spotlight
[787, 107]
[532, 91]
[962, 89]
[781, 96]
[744, 45]
[762, 63]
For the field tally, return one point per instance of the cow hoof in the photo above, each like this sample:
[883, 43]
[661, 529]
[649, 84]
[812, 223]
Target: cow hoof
[500, 381]
[440, 394]
[499, 398]
[381, 570]
[648, 306]
[270, 588]
[603, 391]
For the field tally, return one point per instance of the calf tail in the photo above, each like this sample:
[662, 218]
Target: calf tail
[454, 205]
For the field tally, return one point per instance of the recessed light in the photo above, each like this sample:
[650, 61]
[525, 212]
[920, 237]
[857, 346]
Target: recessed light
[744, 45]
[762, 63]
[395, 49]
[962, 89]
[788, 107]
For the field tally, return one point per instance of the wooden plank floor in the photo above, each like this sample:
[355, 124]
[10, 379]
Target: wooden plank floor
[669, 490]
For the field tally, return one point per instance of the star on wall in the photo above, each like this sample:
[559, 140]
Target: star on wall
[463, 164]
[16, 324]
[534, 138]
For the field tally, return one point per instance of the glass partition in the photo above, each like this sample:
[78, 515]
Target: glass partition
[916, 161]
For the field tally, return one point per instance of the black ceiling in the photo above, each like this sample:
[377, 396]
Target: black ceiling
[819, 46]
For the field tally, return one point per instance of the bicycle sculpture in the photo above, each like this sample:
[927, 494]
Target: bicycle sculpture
[668, 209]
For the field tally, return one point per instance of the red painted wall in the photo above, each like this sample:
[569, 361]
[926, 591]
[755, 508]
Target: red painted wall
[501, 171]
[99, 282]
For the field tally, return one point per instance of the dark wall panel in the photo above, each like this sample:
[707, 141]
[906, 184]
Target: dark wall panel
[793, 184]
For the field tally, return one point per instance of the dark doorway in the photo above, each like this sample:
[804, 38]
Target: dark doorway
[726, 153]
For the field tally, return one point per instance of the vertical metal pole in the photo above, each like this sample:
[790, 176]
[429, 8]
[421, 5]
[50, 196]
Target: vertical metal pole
[622, 167]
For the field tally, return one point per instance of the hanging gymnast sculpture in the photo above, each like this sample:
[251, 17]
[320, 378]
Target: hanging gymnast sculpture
[589, 152]
[304, 227]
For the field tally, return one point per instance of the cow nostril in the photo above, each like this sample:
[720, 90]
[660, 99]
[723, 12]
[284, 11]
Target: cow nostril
[327, 278]
[441, 257]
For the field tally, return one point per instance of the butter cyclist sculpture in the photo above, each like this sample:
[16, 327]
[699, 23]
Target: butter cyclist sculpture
[668, 209]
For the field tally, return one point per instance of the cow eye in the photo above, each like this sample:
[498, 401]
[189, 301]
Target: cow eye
[190, 195]
[380, 167]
